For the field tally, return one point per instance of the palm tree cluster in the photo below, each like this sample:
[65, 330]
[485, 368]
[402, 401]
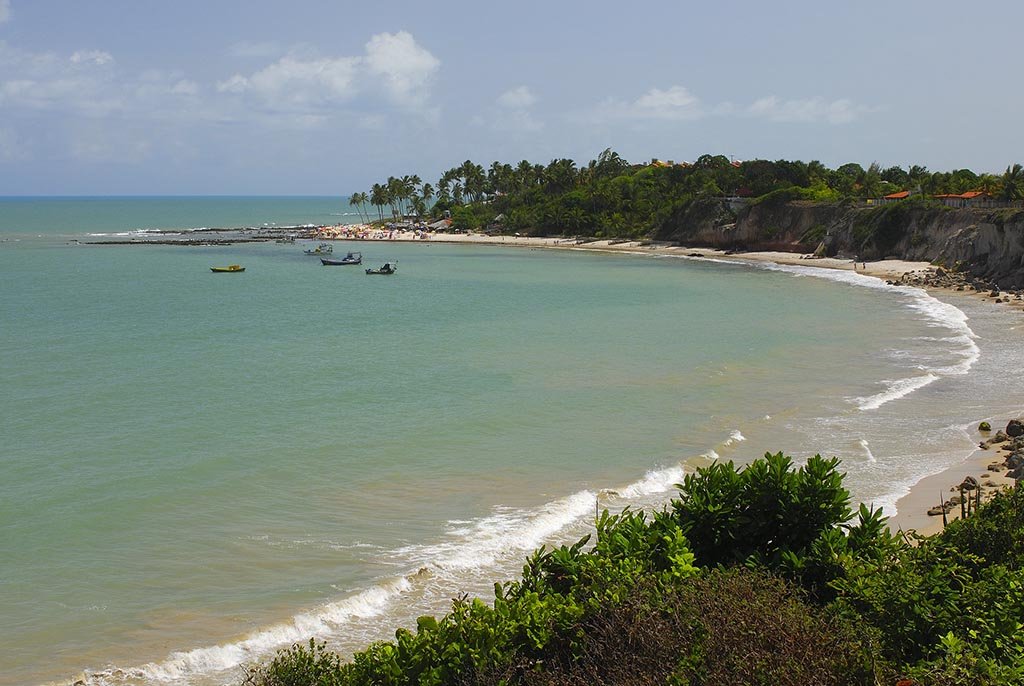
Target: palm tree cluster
[404, 197]
[610, 197]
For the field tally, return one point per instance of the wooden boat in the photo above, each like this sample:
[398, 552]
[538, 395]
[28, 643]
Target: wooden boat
[388, 268]
[228, 269]
[322, 249]
[351, 258]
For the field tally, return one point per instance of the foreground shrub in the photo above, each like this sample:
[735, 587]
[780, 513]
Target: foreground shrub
[755, 575]
[728, 627]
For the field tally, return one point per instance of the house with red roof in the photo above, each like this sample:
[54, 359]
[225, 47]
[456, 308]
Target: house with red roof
[894, 197]
[968, 199]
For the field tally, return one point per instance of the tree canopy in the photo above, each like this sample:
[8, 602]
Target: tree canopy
[609, 197]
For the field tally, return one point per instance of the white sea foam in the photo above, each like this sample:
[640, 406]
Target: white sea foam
[181, 666]
[506, 532]
[934, 311]
[654, 482]
[895, 390]
[471, 545]
[734, 437]
[867, 450]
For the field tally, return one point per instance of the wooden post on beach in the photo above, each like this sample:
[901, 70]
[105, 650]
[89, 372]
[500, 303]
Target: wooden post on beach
[963, 506]
[977, 499]
[942, 506]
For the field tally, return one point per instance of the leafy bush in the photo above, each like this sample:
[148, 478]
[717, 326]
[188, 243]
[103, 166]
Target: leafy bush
[755, 575]
[762, 511]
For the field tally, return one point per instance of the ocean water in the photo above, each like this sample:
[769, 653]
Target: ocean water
[198, 469]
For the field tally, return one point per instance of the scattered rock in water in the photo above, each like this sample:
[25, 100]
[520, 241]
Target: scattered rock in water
[984, 426]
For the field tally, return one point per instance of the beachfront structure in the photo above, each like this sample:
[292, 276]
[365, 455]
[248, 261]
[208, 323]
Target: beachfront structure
[968, 199]
[893, 197]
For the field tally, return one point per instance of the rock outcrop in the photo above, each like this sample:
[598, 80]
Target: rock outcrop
[987, 244]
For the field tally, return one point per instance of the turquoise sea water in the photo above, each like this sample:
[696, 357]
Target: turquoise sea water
[197, 469]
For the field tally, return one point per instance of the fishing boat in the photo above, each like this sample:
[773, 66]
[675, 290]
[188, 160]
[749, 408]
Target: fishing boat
[351, 258]
[231, 268]
[322, 249]
[388, 268]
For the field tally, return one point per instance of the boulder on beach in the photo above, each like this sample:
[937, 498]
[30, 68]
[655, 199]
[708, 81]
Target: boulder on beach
[969, 483]
[1014, 428]
[1000, 437]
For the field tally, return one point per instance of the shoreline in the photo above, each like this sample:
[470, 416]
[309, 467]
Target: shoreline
[912, 507]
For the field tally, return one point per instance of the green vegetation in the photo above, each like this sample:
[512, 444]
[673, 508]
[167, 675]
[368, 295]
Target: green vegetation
[611, 198]
[756, 575]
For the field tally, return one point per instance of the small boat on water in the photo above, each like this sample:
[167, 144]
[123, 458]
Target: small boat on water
[351, 258]
[231, 268]
[322, 249]
[388, 268]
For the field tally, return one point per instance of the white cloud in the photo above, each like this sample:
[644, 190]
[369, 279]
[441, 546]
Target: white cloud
[675, 103]
[89, 84]
[806, 110]
[407, 69]
[517, 98]
[98, 57]
[511, 113]
[393, 67]
[5, 11]
[292, 83]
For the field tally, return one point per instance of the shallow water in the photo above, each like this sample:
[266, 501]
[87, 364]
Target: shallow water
[198, 469]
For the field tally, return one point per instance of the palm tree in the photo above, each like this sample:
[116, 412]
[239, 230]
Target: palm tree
[379, 198]
[870, 181]
[917, 177]
[359, 200]
[394, 196]
[524, 175]
[1013, 183]
[561, 175]
[353, 201]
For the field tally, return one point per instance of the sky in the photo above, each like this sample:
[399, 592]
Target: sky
[319, 97]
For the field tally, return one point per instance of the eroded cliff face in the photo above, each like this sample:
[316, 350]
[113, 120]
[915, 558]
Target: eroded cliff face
[989, 244]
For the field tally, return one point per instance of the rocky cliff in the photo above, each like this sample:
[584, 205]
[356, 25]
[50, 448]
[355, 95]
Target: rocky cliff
[988, 244]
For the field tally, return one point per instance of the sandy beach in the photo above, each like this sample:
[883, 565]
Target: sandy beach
[912, 508]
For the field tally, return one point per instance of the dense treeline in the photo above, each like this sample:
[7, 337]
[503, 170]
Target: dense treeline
[759, 575]
[609, 197]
